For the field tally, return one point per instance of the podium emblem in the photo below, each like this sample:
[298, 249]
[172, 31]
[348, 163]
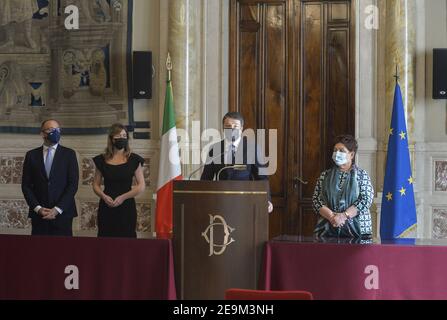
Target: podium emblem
[208, 234]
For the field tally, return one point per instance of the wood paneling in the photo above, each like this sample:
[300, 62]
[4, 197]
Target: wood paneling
[259, 68]
[339, 12]
[292, 69]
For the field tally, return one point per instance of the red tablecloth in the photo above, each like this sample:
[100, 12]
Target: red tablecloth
[351, 272]
[34, 268]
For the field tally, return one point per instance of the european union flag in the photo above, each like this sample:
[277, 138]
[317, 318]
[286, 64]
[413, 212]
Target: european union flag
[398, 214]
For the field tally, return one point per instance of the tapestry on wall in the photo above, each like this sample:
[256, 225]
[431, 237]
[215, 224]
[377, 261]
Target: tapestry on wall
[79, 77]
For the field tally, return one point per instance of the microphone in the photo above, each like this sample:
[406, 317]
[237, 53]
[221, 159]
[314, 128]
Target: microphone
[212, 159]
[233, 139]
[238, 167]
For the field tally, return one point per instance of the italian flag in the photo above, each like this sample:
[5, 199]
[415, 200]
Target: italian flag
[169, 169]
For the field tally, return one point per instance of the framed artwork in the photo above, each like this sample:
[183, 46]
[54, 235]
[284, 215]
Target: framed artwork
[440, 176]
[79, 77]
[439, 223]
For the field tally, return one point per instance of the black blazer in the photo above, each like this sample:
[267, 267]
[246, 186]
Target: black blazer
[212, 168]
[57, 191]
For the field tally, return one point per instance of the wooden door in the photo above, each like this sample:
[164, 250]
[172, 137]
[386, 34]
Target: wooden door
[292, 69]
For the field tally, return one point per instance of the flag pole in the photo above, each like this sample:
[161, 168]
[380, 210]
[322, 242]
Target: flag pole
[169, 66]
[169, 163]
[396, 76]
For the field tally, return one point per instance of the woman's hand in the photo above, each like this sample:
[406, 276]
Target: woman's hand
[108, 200]
[339, 220]
[332, 219]
[119, 201]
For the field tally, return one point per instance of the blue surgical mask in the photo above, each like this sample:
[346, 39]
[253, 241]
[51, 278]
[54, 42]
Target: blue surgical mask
[54, 136]
[340, 158]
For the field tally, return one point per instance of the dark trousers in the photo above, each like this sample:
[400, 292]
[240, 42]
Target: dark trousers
[61, 226]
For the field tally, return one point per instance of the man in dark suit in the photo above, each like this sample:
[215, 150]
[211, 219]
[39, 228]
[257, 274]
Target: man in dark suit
[49, 184]
[232, 158]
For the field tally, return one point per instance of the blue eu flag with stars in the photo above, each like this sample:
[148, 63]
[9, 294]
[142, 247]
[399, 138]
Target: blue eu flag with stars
[398, 214]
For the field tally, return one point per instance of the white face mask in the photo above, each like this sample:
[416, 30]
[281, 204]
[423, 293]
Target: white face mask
[340, 158]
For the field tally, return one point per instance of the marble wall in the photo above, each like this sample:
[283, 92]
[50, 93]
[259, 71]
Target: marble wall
[432, 148]
[197, 33]
[14, 214]
[152, 24]
[405, 36]
[427, 117]
[11, 170]
[408, 30]
[13, 208]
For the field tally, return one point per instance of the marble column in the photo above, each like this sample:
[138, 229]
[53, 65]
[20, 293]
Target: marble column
[185, 46]
[401, 52]
[396, 46]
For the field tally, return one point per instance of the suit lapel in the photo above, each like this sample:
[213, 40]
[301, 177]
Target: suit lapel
[56, 157]
[41, 162]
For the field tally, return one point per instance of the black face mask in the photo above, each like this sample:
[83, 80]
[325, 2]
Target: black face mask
[120, 143]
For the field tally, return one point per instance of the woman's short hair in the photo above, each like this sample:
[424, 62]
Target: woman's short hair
[349, 142]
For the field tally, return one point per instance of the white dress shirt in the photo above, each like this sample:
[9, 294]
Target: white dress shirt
[228, 148]
[235, 143]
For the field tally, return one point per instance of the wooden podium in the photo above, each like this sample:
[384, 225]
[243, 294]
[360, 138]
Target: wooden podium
[219, 232]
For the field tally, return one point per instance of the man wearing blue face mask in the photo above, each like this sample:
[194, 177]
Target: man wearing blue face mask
[49, 184]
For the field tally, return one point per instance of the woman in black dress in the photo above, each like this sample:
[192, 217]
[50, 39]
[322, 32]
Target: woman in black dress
[117, 214]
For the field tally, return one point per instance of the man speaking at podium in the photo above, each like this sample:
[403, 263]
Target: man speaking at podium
[231, 158]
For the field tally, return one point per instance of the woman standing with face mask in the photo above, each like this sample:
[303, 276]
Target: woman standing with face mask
[117, 214]
[343, 195]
